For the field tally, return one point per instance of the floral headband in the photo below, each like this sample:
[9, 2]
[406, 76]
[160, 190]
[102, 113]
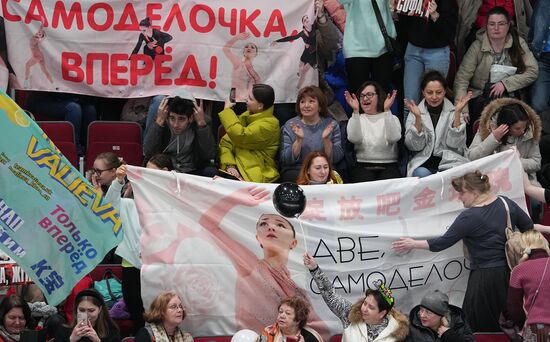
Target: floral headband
[384, 291]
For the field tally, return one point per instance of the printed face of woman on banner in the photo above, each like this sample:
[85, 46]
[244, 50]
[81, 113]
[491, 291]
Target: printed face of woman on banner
[146, 30]
[275, 233]
[306, 23]
[250, 51]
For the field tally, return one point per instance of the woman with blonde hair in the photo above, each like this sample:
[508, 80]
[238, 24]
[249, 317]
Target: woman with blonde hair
[317, 169]
[163, 318]
[481, 227]
[528, 301]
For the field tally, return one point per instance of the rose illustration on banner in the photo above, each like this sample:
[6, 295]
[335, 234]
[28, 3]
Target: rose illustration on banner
[201, 289]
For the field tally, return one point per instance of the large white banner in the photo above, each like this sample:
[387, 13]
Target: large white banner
[141, 48]
[222, 246]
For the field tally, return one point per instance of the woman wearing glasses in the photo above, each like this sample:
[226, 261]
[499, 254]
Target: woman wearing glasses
[103, 172]
[435, 132]
[374, 131]
[163, 318]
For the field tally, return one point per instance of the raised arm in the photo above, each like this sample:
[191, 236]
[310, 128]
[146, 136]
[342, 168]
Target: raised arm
[229, 45]
[241, 257]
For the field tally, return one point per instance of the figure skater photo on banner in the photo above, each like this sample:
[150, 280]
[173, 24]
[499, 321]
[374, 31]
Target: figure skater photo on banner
[261, 283]
[308, 60]
[37, 57]
[154, 40]
[243, 74]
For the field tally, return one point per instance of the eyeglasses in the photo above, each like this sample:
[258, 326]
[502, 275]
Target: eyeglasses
[425, 312]
[500, 23]
[176, 307]
[99, 171]
[368, 95]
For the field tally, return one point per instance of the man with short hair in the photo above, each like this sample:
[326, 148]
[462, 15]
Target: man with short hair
[190, 143]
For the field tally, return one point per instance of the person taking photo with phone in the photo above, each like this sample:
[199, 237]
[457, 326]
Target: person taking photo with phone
[91, 321]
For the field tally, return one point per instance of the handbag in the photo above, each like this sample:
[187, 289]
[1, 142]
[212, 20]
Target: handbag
[512, 247]
[391, 44]
[110, 288]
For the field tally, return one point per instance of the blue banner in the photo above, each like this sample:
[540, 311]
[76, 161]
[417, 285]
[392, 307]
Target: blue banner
[53, 222]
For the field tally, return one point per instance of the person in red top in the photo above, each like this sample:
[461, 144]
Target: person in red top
[528, 300]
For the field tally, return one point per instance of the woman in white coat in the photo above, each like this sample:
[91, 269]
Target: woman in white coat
[436, 132]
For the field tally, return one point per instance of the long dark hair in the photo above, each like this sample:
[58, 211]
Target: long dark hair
[509, 115]
[436, 76]
[515, 52]
[104, 324]
[13, 302]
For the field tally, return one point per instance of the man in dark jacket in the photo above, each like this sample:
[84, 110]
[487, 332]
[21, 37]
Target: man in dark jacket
[190, 141]
[435, 320]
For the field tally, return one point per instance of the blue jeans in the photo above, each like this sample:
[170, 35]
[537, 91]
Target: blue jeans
[68, 108]
[152, 113]
[422, 172]
[540, 91]
[418, 60]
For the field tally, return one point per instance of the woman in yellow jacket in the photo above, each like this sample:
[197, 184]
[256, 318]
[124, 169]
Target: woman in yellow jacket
[249, 147]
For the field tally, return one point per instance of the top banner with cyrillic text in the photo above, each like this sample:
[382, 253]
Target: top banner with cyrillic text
[143, 48]
[53, 222]
[223, 248]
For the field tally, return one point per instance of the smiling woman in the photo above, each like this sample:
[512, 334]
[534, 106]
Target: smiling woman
[15, 315]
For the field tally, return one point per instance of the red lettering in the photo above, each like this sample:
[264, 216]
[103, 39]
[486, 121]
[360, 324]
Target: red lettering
[36, 6]
[109, 16]
[161, 70]
[127, 13]
[275, 23]
[6, 14]
[247, 22]
[104, 59]
[175, 13]
[136, 71]
[117, 69]
[70, 67]
[75, 12]
[193, 18]
[149, 12]
[190, 67]
[232, 23]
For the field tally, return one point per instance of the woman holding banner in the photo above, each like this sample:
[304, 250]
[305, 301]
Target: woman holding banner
[482, 228]
[262, 283]
[371, 318]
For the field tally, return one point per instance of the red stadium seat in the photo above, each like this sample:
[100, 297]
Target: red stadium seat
[336, 338]
[120, 137]
[491, 337]
[62, 135]
[213, 339]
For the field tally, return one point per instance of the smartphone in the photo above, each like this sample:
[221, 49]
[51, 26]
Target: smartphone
[82, 317]
[232, 95]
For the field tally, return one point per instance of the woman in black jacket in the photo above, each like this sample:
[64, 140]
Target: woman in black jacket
[435, 320]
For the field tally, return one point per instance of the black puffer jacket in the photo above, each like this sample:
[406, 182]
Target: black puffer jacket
[459, 331]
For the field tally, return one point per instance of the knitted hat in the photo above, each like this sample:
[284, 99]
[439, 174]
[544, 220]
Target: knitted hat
[437, 302]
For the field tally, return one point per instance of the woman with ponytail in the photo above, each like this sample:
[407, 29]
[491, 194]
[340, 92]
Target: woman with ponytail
[481, 227]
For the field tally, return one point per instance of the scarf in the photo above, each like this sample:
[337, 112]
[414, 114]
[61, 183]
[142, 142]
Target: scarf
[160, 335]
[373, 330]
[7, 337]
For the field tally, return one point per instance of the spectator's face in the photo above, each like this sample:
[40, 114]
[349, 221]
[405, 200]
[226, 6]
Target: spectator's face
[90, 309]
[14, 321]
[369, 100]
[497, 26]
[174, 311]
[105, 176]
[370, 312]
[309, 107]
[287, 318]
[253, 105]
[275, 234]
[518, 129]
[434, 93]
[179, 123]
[429, 319]
[319, 170]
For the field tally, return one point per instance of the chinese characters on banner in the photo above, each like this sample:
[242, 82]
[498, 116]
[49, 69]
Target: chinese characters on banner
[224, 249]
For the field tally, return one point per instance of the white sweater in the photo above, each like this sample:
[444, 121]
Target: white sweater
[375, 137]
